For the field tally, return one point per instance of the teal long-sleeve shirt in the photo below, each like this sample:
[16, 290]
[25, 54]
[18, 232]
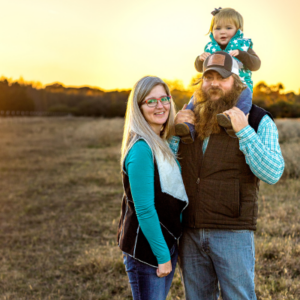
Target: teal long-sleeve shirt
[139, 166]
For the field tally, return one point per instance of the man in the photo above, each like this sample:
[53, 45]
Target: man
[221, 174]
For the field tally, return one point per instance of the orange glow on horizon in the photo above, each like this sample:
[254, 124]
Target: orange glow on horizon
[110, 45]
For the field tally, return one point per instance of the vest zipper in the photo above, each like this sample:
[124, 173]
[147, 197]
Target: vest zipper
[199, 174]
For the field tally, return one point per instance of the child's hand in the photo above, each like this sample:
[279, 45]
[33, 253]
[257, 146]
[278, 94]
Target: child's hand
[204, 56]
[234, 52]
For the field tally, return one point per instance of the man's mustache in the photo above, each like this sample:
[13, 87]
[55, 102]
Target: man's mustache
[213, 90]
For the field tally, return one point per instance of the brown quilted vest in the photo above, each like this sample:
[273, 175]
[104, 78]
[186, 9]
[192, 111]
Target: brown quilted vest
[221, 188]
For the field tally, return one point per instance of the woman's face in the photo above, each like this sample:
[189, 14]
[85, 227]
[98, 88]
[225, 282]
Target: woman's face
[156, 116]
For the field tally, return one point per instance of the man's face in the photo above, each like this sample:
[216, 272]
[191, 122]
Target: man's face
[216, 86]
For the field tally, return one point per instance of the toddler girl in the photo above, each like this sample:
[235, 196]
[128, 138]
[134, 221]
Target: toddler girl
[226, 34]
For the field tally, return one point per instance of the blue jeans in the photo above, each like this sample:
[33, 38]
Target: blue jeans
[145, 285]
[245, 101]
[244, 104]
[212, 257]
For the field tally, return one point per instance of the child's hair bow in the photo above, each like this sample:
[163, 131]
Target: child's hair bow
[216, 11]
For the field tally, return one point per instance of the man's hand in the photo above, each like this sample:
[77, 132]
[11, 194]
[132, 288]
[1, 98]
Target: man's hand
[234, 52]
[164, 269]
[238, 118]
[185, 115]
[204, 56]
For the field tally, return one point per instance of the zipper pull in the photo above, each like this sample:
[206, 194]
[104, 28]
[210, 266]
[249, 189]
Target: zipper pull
[198, 181]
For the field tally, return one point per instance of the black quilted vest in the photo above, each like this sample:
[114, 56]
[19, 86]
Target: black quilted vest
[130, 236]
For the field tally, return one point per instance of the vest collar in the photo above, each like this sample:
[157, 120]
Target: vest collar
[169, 174]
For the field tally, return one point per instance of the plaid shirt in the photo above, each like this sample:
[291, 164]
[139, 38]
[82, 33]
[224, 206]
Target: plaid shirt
[261, 150]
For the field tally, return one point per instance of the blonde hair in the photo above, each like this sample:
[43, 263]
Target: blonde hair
[227, 15]
[136, 126]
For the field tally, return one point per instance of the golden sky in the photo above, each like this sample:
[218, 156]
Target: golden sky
[113, 43]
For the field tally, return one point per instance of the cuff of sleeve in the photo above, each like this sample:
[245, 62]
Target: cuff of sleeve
[165, 258]
[175, 139]
[174, 143]
[246, 134]
[199, 64]
[241, 55]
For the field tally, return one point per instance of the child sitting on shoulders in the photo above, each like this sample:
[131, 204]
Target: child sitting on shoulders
[226, 34]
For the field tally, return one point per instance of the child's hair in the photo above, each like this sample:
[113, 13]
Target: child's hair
[230, 15]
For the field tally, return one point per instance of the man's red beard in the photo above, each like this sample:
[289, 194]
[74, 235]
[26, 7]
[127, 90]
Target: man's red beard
[206, 110]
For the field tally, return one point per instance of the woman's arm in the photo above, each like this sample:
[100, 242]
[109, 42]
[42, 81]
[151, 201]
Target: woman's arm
[139, 166]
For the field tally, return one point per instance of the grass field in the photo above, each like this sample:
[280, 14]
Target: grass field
[60, 203]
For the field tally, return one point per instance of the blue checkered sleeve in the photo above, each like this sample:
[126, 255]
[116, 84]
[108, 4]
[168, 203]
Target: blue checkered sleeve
[262, 150]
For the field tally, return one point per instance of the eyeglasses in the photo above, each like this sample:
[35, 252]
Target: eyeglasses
[153, 102]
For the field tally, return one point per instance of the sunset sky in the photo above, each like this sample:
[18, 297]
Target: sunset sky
[112, 43]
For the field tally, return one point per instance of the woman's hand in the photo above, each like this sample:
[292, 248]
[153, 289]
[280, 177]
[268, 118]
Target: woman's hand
[164, 269]
[204, 56]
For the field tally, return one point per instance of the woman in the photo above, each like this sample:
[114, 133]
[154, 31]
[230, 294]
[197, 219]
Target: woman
[154, 194]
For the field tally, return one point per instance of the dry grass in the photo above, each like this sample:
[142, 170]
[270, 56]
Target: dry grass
[289, 130]
[60, 203]
[60, 199]
[289, 137]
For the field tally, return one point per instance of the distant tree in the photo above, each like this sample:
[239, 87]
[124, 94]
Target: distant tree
[283, 109]
[89, 101]
[13, 97]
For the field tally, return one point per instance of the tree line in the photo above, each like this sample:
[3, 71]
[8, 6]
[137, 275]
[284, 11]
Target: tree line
[18, 96]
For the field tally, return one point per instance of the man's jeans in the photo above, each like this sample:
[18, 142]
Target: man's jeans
[145, 285]
[209, 256]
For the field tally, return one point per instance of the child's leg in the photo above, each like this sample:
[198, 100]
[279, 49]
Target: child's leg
[191, 104]
[191, 126]
[244, 103]
[186, 130]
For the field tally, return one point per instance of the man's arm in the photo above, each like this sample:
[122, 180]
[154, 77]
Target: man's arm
[261, 149]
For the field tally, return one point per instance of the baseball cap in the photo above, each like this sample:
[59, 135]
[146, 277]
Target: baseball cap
[221, 62]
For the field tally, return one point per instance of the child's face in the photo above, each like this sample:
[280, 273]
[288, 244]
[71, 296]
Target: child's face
[224, 32]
